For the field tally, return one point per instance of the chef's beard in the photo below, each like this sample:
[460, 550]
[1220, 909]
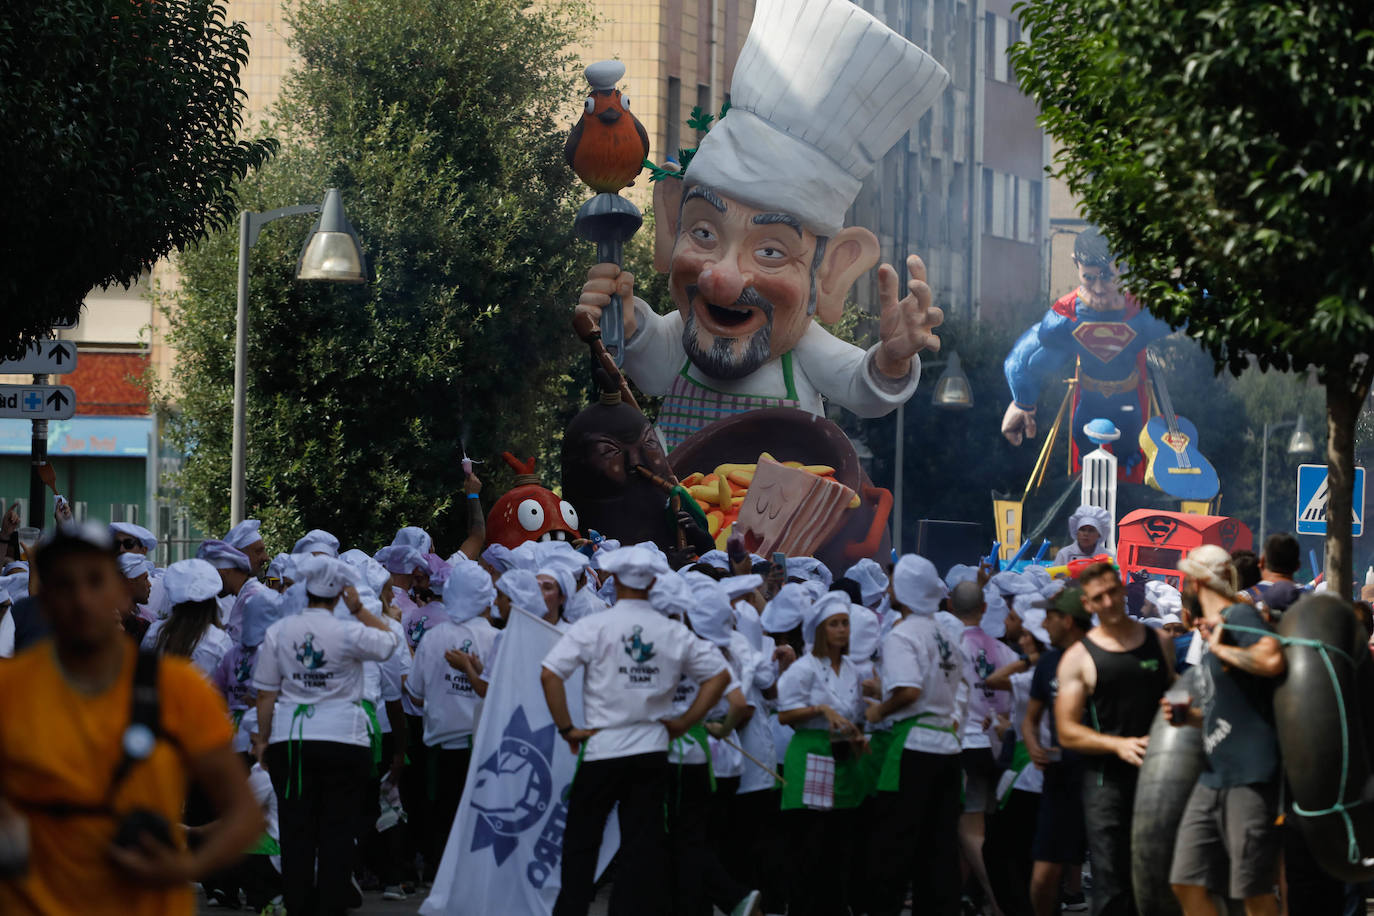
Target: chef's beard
[729, 358]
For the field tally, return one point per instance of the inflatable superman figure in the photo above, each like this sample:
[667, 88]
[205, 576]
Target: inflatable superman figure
[1104, 333]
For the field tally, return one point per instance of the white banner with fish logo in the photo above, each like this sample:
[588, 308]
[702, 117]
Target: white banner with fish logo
[505, 847]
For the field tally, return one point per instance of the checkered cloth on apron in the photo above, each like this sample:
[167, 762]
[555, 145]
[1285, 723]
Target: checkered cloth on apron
[818, 786]
[690, 406]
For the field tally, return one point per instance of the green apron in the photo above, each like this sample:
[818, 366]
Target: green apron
[295, 734]
[879, 744]
[374, 731]
[891, 777]
[849, 781]
[1020, 759]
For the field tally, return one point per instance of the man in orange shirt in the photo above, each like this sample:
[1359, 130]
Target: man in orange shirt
[67, 730]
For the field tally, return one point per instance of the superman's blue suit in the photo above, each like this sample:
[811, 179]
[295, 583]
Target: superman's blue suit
[1108, 352]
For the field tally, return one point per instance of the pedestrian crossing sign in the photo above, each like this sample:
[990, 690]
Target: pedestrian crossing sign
[1313, 493]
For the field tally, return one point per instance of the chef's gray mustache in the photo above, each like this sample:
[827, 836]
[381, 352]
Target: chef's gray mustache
[748, 298]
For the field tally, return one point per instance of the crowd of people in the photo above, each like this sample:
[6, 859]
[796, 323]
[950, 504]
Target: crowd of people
[774, 738]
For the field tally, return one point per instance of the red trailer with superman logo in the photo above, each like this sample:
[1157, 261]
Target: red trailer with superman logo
[1150, 542]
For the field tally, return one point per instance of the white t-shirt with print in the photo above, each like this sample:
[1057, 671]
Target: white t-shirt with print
[315, 659]
[450, 702]
[917, 653]
[634, 658]
[983, 654]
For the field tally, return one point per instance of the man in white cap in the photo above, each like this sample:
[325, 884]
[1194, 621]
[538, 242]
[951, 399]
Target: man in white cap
[633, 659]
[129, 537]
[916, 839]
[1228, 827]
[1089, 527]
[317, 542]
[314, 733]
[245, 537]
[756, 247]
[135, 568]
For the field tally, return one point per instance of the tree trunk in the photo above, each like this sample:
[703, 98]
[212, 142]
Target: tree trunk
[1346, 388]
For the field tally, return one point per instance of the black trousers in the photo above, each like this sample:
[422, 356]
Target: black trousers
[916, 839]
[385, 853]
[449, 772]
[318, 786]
[639, 784]
[1108, 801]
[761, 855]
[699, 878]
[415, 797]
[1007, 852]
[820, 847]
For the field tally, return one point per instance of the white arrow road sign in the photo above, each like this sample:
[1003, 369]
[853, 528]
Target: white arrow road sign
[37, 402]
[52, 357]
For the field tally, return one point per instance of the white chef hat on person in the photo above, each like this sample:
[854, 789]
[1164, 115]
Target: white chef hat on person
[263, 608]
[961, 572]
[583, 604]
[191, 580]
[563, 576]
[1034, 622]
[1163, 596]
[1011, 583]
[522, 588]
[402, 560]
[917, 586]
[786, 611]
[994, 620]
[1095, 516]
[716, 559]
[1166, 619]
[497, 556]
[525, 555]
[468, 591]
[133, 565]
[410, 536]
[137, 532]
[244, 533]
[635, 567]
[871, 578]
[317, 540]
[10, 586]
[283, 566]
[739, 586]
[222, 556]
[832, 604]
[1039, 576]
[865, 632]
[711, 616]
[563, 555]
[822, 90]
[324, 577]
[810, 569]
[952, 627]
[671, 596]
[367, 571]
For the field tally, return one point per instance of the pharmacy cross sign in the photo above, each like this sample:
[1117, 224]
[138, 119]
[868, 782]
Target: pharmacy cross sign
[37, 402]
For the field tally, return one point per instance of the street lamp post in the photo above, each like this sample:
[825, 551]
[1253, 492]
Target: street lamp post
[1300, 443]
[331, 253]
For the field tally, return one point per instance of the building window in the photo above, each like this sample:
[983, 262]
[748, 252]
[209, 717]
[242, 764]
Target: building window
[673, 134]
[996, 39]
[704, 99]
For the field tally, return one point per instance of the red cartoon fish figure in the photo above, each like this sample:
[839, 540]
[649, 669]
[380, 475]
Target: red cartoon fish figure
[529, 511]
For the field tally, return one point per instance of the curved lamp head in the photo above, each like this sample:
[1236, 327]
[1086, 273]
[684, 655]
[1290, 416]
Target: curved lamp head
[1301, 442]
[952, 391]
[331, 251]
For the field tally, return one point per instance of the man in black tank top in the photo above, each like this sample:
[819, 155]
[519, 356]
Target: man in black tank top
[1110, 683]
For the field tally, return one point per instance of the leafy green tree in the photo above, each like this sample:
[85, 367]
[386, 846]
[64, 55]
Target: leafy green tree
[120, 146]
[1222, 146]
[442, 123]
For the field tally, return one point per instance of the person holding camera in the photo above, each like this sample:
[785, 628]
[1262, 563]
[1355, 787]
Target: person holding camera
[98, 746]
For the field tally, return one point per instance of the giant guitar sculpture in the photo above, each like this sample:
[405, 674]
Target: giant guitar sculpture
[1174, 464]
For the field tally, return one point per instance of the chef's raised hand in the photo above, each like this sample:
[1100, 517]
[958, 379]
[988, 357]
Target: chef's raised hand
[602, 281]
[906, 326]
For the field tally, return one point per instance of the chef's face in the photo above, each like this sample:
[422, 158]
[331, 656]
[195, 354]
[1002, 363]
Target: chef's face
[1087, 538]
[743, 280]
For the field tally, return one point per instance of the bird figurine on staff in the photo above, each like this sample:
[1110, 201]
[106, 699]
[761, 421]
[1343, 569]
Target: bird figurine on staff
[607, 146]
[607, 149]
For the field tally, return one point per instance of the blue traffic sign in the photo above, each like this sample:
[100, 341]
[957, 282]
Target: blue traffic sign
[1313, 495]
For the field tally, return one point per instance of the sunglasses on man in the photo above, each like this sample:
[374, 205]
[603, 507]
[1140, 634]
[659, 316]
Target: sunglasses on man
[128, 543]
